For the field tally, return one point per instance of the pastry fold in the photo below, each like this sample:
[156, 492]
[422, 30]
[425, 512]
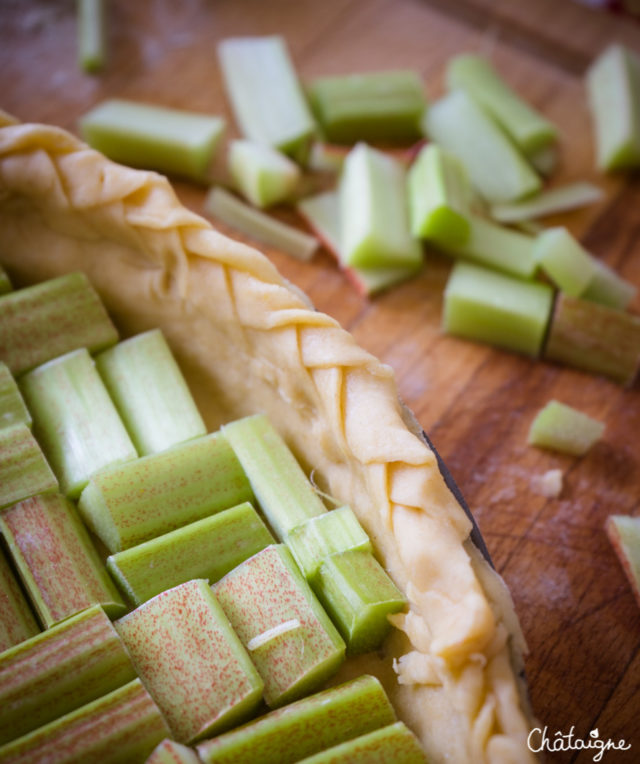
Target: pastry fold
[249, 342]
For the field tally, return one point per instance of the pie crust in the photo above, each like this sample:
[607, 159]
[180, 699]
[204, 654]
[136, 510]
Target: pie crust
[248, 342]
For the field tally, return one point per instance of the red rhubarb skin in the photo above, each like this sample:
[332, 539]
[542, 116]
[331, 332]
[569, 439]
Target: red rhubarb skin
[16, 619]
[56, 552]
[184, 650]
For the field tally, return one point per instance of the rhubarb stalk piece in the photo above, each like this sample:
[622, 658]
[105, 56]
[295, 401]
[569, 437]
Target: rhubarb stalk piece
[594, 338]
[439, 197]
[266, 97]
[290, 638]
[131, 503]
[624, 535]
[374, 214]
[119, 728]
[258, 225]
[74, 420]
[24, 471]
[92, 35]
[394, 743]
[284, 492]
[305, 727]
[12, 406]
[526, 127]
[191, 661]
[56, 559]
[17, 621]
[376, 107]
[551, 202]
[613, 91]
[171, 141]
[65, 667]
[47, 320]
[564, 428]
[322, 213]
[143, 378]
[263, 175]
[358, 595]
[319, 537]
[496, 167]
[496, 247]
[170, 752]
[208, 548]
[495, 308]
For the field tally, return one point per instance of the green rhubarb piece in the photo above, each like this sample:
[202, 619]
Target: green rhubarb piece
[288, 635]
[528, 129]
[118, 728]
[608, 288]
[313, 541]
[594, 338]
[190, 660]
[613, 91]
[497, 247]
[624, 534]
[45, 321]
[496, 167]
[17, 621]
[439, 195]
[65, 667]
[562, 428]
[495, 308]
[551, 202]
[358, 595]
[258, 225]
[143, 379]
[377, 107]
[263, 175]
[131, 503]
[280, 485]
[12, 406]
[170, 752]
[167, 140]
[208, 548]
[92, 36]
[566, 263]
[56, 559]
[24, 471]
[374, 216]
[326, 157]
[322, 214]
[394, 743]
[267, 99]
[5, 282]
[74, 419]
[305, 727]
[545, 160]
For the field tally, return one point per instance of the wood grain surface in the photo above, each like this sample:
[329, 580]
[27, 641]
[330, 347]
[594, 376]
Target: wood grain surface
[476, 403]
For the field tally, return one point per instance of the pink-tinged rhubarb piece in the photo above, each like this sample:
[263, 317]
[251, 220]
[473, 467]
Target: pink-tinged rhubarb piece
[130, 503]
[24, 471]
[121, 727]
[49, 319]
[624, 535]
[290, 638]
[190, 660]
[17, 622]
[305, 727]
[65, 667]
[170, 752]
[56, 559]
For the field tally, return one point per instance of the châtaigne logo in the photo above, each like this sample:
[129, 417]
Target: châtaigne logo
[541, 740]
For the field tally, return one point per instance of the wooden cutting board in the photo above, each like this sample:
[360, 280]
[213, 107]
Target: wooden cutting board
[476, 403]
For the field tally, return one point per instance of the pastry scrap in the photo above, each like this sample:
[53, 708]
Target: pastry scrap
[248, 342]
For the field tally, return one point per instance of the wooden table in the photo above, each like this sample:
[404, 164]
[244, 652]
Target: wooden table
[476, 403]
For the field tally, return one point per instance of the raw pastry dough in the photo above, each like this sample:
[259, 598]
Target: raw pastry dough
[249, 342]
